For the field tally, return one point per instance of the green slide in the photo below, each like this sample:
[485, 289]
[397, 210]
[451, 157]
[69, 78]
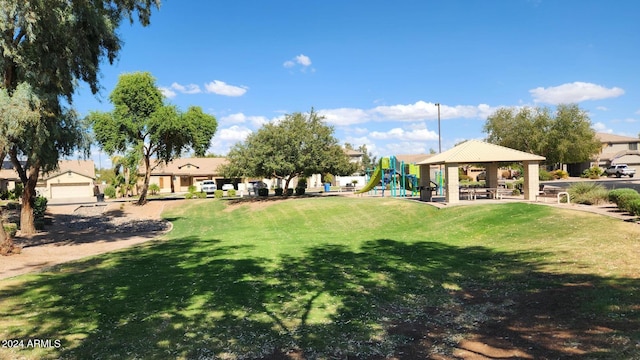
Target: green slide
[375, 180]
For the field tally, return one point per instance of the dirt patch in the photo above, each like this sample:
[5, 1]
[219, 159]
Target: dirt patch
[79, 231]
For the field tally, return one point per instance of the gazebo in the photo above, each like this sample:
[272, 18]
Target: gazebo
[478, 152]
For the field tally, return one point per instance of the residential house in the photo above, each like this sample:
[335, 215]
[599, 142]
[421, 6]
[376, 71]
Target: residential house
[616, 149]
[72, 179]
[179, 174]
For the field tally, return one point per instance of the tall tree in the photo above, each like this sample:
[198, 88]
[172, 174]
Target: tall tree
[299, 145]
[522, 129]
[571, 138]
[142, 124]
[52, 46]
[562, 137]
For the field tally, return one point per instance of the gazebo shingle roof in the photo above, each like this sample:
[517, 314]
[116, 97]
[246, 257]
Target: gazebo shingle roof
[474, 151]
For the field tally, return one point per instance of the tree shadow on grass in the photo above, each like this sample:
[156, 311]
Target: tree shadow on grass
[198, 298]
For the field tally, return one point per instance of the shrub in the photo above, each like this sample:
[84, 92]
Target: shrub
[617, 193]
[560, 174]
[623, 197]
[39, 207]
[189, 195]
[300, 191]
[12, 205]
[544, 175]
[11, 229]
[201, 195]
[302, 183]
[110, 191]
[289, 192]
[588, 193]
[278, 191]
[154, 189]
[16, 193]
[592, 173]
[634, 207]
[192, 189]
[231, 192]
[263, 192]
[515, 192]
[218, 194]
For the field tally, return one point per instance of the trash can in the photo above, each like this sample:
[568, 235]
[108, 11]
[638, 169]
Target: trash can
[327, 187]
[100, 197]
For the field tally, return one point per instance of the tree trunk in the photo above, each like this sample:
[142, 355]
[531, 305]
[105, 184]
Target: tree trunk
[27, 224]
[145, 186]
[286, 184]
[7, 247]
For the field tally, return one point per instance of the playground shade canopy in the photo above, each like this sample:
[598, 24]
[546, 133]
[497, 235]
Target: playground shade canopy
[474, 151]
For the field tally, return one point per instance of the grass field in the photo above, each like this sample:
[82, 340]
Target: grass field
[334, 277]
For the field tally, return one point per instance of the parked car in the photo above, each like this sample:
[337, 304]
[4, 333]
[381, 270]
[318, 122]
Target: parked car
[208, 186]
[226, 187]
[619, 170]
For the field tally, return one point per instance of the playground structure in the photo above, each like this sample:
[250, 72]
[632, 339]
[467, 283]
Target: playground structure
[401, 178]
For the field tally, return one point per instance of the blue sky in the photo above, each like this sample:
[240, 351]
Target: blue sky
[376, 68]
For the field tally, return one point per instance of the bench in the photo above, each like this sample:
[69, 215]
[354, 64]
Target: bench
[552, 192]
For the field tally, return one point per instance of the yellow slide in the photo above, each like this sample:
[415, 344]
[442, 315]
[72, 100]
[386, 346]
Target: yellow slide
[375, 180]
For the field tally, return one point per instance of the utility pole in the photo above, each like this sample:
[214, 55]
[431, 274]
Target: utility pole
[439, 137]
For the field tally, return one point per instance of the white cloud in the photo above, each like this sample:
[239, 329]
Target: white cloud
[417, 111]
[573, 93]
[233, 133]
[240, 118]
[167, 92]
[601, 127]
[602, 108]
[404, 135]
[345, 116]
[186, 89]
[303, 60]
[427, 110]
[222, 88]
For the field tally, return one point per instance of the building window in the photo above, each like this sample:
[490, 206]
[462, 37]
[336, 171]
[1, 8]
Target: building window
[633, 146]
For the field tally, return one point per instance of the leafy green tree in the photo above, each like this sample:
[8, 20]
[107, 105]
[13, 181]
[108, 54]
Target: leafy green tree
[368, 160]
[571, 138]
[299, 145]
[142, 125]
[522, 129]
[562, 137]
[37, 39]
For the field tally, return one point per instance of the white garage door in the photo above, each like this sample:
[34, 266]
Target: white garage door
[76, 190]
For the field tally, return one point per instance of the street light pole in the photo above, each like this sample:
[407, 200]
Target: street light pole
[439, 137]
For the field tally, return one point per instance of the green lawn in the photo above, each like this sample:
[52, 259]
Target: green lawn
[332, 277]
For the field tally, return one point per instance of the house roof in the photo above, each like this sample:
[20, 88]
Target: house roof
[615, 139]
[82, 167]
[474, 151]
[189, 166]
[413, 158]
[353, 153]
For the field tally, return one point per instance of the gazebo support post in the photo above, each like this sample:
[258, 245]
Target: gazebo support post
[425, 183]
[531, 179]
[452, 183]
